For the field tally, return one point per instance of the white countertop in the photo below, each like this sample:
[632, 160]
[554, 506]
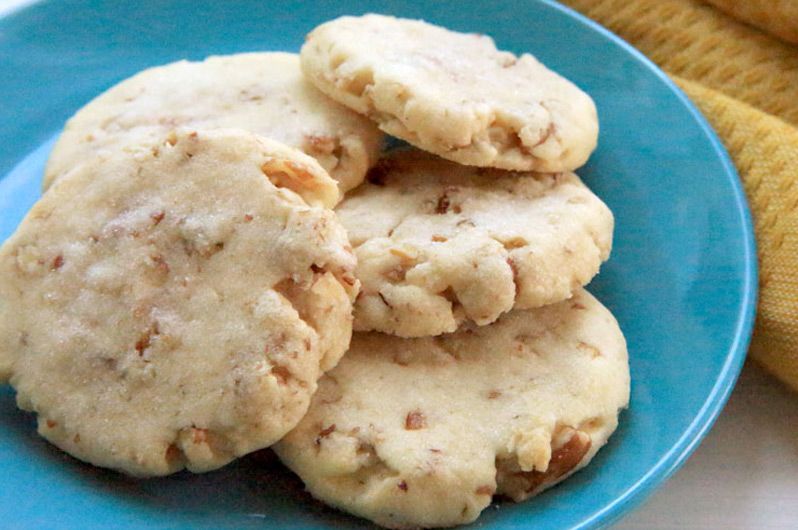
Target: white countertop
[10, 5]
[745, 473]
[744, 476]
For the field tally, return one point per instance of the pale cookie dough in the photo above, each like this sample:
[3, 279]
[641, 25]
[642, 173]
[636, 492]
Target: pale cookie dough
[175, 307]
[439, 243]
[453, 94]
[423, 432]
[264, 93]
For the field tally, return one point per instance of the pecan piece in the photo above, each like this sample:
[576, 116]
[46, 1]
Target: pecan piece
[415, 420]
[563, 460]
[58, 262]
[324, 433]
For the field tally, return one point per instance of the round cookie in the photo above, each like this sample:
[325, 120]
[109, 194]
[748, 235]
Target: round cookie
[175, 306]
[439, 243]
[264, 93]
[453, 94]
[423, 432]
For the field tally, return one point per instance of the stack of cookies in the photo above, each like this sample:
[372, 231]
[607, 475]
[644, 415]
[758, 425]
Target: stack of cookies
[186, 289]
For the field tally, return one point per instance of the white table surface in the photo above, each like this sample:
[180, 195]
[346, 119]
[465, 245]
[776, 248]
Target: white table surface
[10, 5]
[744, 476]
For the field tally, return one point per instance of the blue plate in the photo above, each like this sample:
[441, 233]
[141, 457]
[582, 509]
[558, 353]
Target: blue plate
[682, 278]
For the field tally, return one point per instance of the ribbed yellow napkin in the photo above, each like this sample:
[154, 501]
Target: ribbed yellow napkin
[745, 81]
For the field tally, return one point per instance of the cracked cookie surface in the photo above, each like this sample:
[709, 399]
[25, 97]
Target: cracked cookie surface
[264, 93]
[453, 94]
[424, 432]
[439, 243]
[174, 306]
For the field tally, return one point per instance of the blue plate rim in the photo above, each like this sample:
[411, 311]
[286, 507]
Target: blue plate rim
[719, 395]
[672, 460]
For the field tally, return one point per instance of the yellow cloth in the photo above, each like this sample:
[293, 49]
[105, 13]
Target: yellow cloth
[779, 17]
[745, 81]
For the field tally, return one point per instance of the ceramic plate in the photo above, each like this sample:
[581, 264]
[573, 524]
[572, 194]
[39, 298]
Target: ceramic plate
[681, 279]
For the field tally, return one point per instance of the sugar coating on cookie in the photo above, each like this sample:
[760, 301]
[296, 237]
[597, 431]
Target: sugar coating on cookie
[264, 93]
[174, 306]
[453, 94]
[439, 243]
[424, 432]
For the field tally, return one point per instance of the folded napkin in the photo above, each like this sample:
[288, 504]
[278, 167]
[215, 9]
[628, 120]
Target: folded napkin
[738, 62]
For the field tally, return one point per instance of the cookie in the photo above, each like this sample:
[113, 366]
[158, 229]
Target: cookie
[261, 92]
[439, 243]
[453, 94]
[424, 432]
[174, 307]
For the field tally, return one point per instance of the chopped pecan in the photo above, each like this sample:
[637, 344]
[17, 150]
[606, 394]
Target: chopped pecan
[288, 174]
[592, 424]
[281, 373]
[443, 204]
[324, 433]
[157, 217]
[484, 490]
[58, 262]
[508, 62]
[514, 269]
[173, 454]
[563, 460]
[199, 435]
[415, 420]
[160, 263]
[320, 144]
[142, 344]
[403, 256]
[145, 341]
[515, 242]
[545, 134]
[589, 348]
